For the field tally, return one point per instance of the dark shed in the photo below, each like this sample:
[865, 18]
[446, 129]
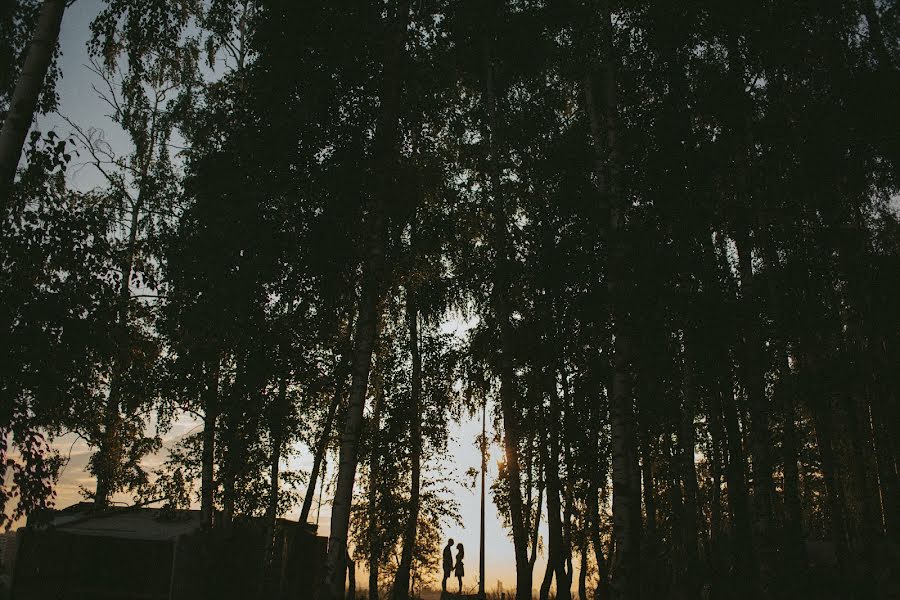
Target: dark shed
[156, 554]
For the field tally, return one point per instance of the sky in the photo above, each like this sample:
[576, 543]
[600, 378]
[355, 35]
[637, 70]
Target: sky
[79, 103]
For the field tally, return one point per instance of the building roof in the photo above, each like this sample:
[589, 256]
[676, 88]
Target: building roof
[128, 523]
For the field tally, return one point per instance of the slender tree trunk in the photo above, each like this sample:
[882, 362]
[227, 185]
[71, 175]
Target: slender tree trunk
[503, 314]
[648, 467]
[110, 454]
[795, 550]
[598, 476]
[754, 382]
[794, 546]
[351, 578]
[864, 490]
[689, 470]
[228, 481]
[208, 451]
[625, 572]
[276, 435]
[27, 92]
[582, 573]
[852, 406]
[387, 150]
[836, 511]
[746, 580]
[569, 487]
[651, 544]
[818, 404]
[401, 580]
[533, 534]
[602, 590]
[555, 555]
[738, 500]
[233, 444]
[752, 348]
[481, 532]
[340, 377]
[374, 469]
[885, 451]
[549, 571]
[648, 442]
[718, 455]
[716, 563]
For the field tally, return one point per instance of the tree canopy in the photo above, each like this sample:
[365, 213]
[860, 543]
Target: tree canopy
[674, 229]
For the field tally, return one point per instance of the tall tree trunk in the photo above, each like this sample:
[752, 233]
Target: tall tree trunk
[738, 500]
[549, 571]
[754, 382]
[233, 442]
[340, 378]
[374, 535]
[718, 455]
[598, 476]
[648, 443]
[553, 541]
[569, 487]
[754, 372]
[556, 553]
[582, 573]
[785, 392]
[716, 563]
[689, 469]
[864, 489]
[885, 451]
[386, 153]
[535, 526]
[229, 468]
[208, 450]
[351, 578]
[503, 315]
[110, 454]
[25, 96]
[794, 547]
[651, 545]
[746, 581]
[276, 433]
[401, 579]
[276, 437]
[625, 572]
[852, 406]
[818, 402]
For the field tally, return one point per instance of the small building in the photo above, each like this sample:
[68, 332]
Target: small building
[158, 554]
[7, 548]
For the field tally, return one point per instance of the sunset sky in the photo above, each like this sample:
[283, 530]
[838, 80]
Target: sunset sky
[79, 103]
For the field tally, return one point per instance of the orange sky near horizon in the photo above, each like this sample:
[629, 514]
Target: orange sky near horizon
[499, 558]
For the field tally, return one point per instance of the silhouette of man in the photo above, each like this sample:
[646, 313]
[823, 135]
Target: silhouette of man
[448, 563]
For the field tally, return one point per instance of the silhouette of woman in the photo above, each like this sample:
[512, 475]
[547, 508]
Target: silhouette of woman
[460, 569]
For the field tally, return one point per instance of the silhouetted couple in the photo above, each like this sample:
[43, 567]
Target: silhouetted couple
[459, 570]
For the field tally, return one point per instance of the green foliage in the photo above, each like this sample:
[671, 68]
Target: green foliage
[58, 292]
[17, 22]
